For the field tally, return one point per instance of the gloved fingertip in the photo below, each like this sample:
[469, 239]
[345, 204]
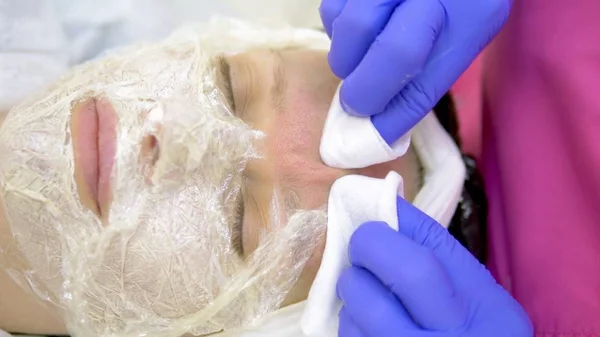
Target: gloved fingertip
[348, 109]
[365, 237]
[336, 64]
[367, 231]
[410, 218]
[347, 327]
[375, 224]
[345, 97]
[338, 293]
[344, 281]
[329, 10]
[328, 31]
[325, 21]
[388, 132]
[422, 229]
[349, 282]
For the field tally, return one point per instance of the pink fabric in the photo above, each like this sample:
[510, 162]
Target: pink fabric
[466, 94]
[541, 161]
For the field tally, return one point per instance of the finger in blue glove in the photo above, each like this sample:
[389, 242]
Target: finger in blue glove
[422, 282]
[399, 57]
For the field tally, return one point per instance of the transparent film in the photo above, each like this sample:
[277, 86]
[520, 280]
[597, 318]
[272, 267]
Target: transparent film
[161, 260]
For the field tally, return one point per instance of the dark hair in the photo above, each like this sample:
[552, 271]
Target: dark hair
[469, 223]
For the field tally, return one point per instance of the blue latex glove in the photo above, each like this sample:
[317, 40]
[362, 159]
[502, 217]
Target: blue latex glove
[399, 57]
[421, 282]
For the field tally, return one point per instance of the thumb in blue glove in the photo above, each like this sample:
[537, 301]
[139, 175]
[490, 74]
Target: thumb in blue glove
[399, 57]
[421, 282]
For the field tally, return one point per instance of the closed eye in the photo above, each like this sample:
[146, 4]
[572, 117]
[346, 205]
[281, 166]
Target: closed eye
[225, 74]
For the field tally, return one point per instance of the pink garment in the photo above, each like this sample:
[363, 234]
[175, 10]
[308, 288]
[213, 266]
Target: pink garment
[541, 161]
[466, 93]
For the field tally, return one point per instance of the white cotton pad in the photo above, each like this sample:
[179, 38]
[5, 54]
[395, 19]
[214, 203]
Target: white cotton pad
[353, 142]
[353, 200]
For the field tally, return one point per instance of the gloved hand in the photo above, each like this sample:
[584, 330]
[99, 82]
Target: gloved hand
[399, 57]
[421, 282]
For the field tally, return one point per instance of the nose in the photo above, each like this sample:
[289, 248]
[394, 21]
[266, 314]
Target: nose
[149, 155]
[150, 150]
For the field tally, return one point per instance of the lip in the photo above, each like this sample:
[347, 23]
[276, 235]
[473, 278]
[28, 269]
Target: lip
[93, 128]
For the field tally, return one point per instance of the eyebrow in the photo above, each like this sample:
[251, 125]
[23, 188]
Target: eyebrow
[225, 71]
[278, 87]
[291, 201]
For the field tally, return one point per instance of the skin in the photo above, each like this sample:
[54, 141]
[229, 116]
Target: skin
[284, 93]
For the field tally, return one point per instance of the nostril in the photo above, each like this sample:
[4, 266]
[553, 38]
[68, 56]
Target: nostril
[150, 150]
[149, 155]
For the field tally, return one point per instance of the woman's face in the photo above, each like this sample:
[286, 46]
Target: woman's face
[284, 93]
[287, 93]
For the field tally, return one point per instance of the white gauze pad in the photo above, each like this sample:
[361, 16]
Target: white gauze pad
[353, 200]
[353, 142]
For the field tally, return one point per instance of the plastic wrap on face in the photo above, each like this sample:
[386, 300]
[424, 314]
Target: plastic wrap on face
[162, 263]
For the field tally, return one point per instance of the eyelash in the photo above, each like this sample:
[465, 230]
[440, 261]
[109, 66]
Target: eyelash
[238, 224]
[228, 86]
